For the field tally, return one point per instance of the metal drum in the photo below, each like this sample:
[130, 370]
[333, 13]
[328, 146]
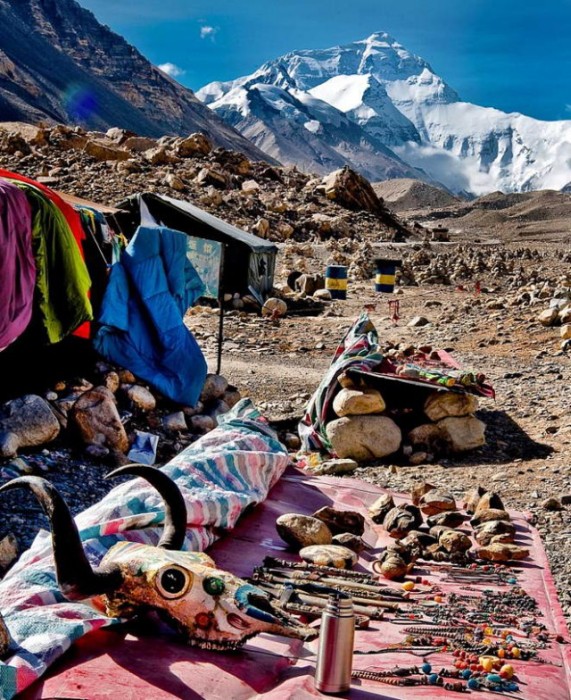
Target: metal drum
[385, 275]
[336, 281]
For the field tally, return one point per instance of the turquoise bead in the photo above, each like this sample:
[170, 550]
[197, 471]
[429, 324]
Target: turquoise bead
[433, 678]
[426, 668]
[494, 678]
[466, 674]
[474, 684]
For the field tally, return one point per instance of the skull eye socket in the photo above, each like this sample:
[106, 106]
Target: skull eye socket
[173, 582]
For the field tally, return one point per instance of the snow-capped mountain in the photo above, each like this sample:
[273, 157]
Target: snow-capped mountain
[383, 110]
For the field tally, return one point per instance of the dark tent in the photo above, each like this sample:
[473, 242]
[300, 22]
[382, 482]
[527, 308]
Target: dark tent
[249, 261]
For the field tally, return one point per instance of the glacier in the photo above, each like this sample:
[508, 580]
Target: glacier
[379, 108]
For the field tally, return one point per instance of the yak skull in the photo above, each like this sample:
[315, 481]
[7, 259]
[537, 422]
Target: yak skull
[212, 608]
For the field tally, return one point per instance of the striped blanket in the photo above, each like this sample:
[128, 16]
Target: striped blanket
[359, 349]
[221, 474]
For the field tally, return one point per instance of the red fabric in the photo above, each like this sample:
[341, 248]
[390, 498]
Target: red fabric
[73, 219]
[111, 664]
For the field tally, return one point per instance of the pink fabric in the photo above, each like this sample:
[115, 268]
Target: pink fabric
[17, 265]
[109, 664]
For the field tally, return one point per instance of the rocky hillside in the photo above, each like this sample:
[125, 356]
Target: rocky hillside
[274, 202]
[59, 64]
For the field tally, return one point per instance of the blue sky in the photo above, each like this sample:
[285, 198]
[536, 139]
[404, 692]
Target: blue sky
[511, 54]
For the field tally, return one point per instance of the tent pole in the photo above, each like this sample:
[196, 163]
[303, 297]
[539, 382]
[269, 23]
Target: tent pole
[221, 304]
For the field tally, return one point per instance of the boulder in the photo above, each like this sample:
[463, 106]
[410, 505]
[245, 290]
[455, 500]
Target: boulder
[490, 499]
[427, 435]
[548, 317]
[322, 295]
[231, 396]
[201, 424]
[364, 437]
[472, 498]
[215, 386]
[379, 509]
[339, 521]
[462, 434]
[447, 403]
[26, 422]
[329, 555]
[8, 551]
[358, 402]
[111, 381]
[418, 321]
[419, 489]
[175, 422]
[250, 187]
[565, 315]
[454, 541]
[498, 551]
[193, 145]
[435, 502]
[335, 466]
[140, 397]
[174, 182]
[309, 284]
[400, 521]
[139, 144]
[352, 542]
[274, 307]
[212, 176]
[351, 190]
[486, 532]
[565, 331]
[159, 156]
[103, 151]
[97, 419]
[484, 516]
[302, 530]
[450, 518]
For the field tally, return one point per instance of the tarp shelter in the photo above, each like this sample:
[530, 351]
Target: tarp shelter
[249, 261]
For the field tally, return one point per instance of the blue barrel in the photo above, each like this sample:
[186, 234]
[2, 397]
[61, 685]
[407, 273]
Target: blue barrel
[336, 281]
[385, 274]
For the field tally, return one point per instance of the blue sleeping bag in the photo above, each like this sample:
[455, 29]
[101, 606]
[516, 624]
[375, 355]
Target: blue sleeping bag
[149, 291]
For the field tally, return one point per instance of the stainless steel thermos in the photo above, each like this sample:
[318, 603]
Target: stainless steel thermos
[335, 654]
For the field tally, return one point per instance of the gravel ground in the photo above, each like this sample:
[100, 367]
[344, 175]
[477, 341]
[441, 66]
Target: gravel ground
[279, 364]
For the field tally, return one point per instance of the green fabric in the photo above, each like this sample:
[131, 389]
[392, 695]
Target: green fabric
[62, 282]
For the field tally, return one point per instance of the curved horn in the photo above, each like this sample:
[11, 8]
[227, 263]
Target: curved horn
[75, 576]
[174, 529]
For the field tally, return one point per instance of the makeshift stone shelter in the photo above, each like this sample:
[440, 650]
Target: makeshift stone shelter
[375, 402]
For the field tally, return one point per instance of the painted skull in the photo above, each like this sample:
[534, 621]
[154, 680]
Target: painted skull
[211, 608]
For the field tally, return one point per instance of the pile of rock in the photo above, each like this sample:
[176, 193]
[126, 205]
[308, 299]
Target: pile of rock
[329, 537]
[367, 428]
[559, 311]
[499, 266]
[105, 414]
[439, 537]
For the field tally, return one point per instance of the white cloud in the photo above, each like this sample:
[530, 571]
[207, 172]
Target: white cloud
[172, 69]
[208, 32]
